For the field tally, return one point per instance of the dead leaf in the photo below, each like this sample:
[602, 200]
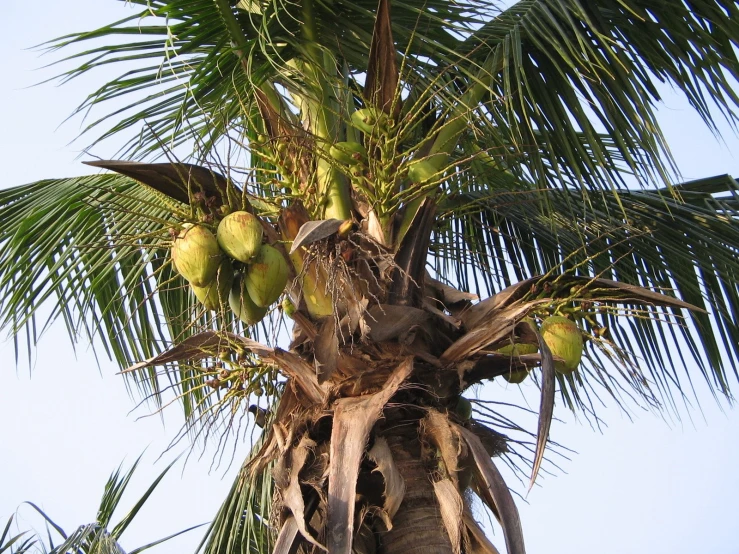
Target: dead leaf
[546, 405]
[451, 508]
[437, 430]
[176, 180]
[409, 270]
[479, 543]
[388, 322]
[326, 349]
[381, 84]
[449, 295]
[496, 328]
[604, 290]
[292, 495]
[313, 231]
[202, 345]
[496, 493]
[353, 421]
[287, 541]
[382, 457]
[209, 343]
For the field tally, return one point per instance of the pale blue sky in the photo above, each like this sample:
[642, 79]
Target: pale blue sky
[639, 487]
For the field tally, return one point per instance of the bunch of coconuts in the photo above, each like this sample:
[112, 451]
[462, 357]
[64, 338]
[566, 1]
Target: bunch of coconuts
[564, 340]
[232, 267]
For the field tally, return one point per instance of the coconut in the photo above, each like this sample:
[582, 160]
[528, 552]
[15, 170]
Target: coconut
[196, 255]
[515, 350]
[240, 235]
[463, 408]
[370, 120]
[266, 277]
[215, 294]
[242, 305]
[349, 153]
[564, 339]
[288, 307]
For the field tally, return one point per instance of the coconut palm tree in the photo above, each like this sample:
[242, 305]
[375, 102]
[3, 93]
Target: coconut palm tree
[387, 165]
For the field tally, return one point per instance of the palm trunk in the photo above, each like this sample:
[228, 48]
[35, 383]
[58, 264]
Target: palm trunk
[417, 527]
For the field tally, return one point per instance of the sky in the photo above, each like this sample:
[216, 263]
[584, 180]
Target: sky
[638, 485]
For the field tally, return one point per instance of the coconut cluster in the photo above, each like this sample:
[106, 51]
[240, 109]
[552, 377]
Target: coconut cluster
[563, 338]
[231, 268]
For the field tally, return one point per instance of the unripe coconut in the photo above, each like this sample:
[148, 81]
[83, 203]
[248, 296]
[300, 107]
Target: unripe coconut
[349, 153]
[564, 339]
[288, 307]
[515, 350]
[463, 408]
[516, 377]
[215, 294]
[196, 255]
[242, 305]
[266, 277]
[240, 235]
[367, 119]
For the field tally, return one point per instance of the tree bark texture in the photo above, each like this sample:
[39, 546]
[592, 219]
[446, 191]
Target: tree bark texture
[417, 527]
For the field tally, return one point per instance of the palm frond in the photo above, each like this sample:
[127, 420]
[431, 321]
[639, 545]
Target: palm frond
[97, 537]
[93, 247]
[241, 525]
[95, 251]
[496, 232]
[559, 71]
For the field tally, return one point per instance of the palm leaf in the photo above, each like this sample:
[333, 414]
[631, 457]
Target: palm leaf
[105, 271]
[96, 538]
[684, 246]
[561, 70]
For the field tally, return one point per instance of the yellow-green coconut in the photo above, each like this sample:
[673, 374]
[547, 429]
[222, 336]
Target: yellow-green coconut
[196, 255]
[240, 235]
[564, 339]
[515, 350]
[242, 305]
[266, 276]
[215, 294]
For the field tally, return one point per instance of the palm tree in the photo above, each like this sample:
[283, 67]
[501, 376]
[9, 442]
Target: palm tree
[397, 161]
[99, 537]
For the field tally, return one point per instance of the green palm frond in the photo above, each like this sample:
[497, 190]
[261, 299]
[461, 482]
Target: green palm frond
[496, 232]
[97, 537]
[95, 248]
[20, 543]
[241, 525]
[561, 70]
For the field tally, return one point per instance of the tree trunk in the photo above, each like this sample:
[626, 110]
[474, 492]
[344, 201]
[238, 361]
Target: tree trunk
[417, 527]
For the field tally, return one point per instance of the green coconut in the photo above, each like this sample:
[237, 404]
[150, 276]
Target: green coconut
[369, 120]
[196, 255]
[288, 307]
[240, 235]
[516, 350]
[215, 294]
[517, 376]
[242, 305]
[349, 153]
[564, 339]
[463, 408]
[266, 277]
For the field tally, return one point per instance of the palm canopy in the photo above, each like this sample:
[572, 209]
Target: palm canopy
[523, 139]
